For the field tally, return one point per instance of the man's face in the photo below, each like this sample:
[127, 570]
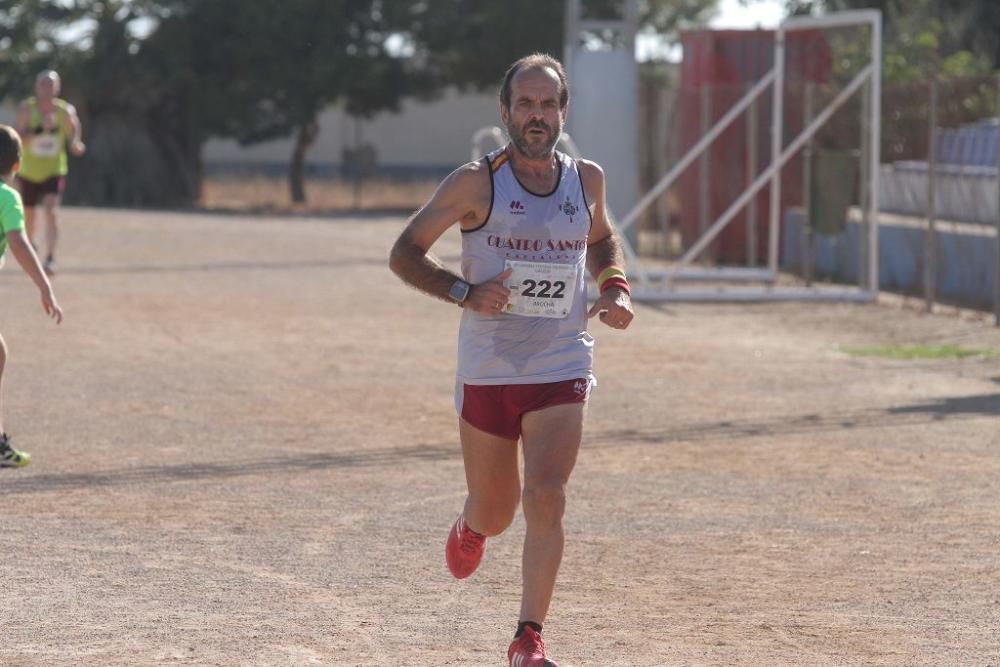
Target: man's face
[47, 87]
[534, 120]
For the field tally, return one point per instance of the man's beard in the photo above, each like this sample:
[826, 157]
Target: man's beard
[534, 151]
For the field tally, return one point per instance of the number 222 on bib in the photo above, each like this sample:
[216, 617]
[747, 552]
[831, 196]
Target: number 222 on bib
[540, 289]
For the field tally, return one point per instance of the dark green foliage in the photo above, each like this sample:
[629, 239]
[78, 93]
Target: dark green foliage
[953, 41]
[154, 79]
[28, 42]
[952, 37]
[470, 44]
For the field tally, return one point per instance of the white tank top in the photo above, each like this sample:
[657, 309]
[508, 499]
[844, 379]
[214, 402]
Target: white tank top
[546, 234]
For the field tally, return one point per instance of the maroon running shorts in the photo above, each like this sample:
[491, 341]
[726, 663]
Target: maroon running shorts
[498, 408]
[32, 193]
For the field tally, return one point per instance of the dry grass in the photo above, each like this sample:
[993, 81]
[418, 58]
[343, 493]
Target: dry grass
[267, 193]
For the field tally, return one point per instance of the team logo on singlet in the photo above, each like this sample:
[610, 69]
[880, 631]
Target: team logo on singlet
[516, 207]
[569, 208]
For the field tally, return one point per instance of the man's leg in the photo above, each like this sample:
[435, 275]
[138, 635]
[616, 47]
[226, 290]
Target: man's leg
[29, 199]
[29, 223]
[492, 477]
[494, 487]
[50, 203]
[551, 442]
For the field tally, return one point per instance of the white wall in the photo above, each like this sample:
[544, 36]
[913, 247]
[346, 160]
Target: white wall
[437, 133]
[424, 134]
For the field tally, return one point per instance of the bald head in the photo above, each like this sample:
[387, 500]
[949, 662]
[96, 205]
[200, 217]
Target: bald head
[47, 84]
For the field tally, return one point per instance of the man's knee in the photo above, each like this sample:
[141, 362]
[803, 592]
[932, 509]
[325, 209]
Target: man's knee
[545, 501]
[495, 523]
[492, 518]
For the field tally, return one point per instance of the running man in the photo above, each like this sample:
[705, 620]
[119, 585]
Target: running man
[533, 221]
[48, 125]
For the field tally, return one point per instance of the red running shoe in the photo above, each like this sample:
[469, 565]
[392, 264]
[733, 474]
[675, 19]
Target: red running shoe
[464, 549]
[528, 650]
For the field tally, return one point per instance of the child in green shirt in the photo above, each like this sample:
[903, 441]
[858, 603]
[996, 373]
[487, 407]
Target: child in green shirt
[12, 235]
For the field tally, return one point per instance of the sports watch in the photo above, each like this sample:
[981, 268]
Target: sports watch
[459, 291]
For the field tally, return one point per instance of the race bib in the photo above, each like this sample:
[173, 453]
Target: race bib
[45, 145]
[540, 289]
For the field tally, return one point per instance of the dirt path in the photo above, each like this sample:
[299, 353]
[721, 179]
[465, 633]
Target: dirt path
[245, 454]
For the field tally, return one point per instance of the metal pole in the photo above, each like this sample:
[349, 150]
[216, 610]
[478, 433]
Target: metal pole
[572, 27]
[875, 152]
[930, 237]
[358, 175]
[663, 155]
[777, 114]
[704, 168]
[863, 186]
[630, 14]
[752, 165]
[806, 239]
[996, 256]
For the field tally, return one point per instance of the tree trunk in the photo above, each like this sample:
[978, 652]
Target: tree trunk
[129, 164]
[304, 139]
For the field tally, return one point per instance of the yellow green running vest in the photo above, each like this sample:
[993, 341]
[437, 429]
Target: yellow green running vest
[44, 149]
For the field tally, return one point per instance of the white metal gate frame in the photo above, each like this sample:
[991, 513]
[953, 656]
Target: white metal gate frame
[659, 285]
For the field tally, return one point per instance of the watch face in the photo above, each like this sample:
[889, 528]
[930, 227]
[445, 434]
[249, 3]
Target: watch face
[459, 291]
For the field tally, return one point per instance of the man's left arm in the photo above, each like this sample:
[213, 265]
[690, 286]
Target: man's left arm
[605, 258]
[74, 131]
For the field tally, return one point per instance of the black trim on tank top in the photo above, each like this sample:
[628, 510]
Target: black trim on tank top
[489, 212]
[583, 193]
[535, 194]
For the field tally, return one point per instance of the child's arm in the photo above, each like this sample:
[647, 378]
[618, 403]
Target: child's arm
[26, 257]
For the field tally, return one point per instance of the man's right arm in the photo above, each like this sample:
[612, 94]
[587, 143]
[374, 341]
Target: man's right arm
[461, 198]
[22, 120]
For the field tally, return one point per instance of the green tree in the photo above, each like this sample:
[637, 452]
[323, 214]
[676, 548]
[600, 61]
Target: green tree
[922, 37]
[470, 44]
[154, 79]
[29, 41]
[951, 41]
[257, 71]
[92, 44]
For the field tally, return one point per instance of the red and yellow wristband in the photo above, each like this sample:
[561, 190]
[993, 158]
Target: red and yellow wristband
[613, 276]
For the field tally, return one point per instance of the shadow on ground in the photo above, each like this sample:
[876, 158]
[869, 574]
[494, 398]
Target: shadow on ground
[769, 427]
[224, 267]
[393, 456]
